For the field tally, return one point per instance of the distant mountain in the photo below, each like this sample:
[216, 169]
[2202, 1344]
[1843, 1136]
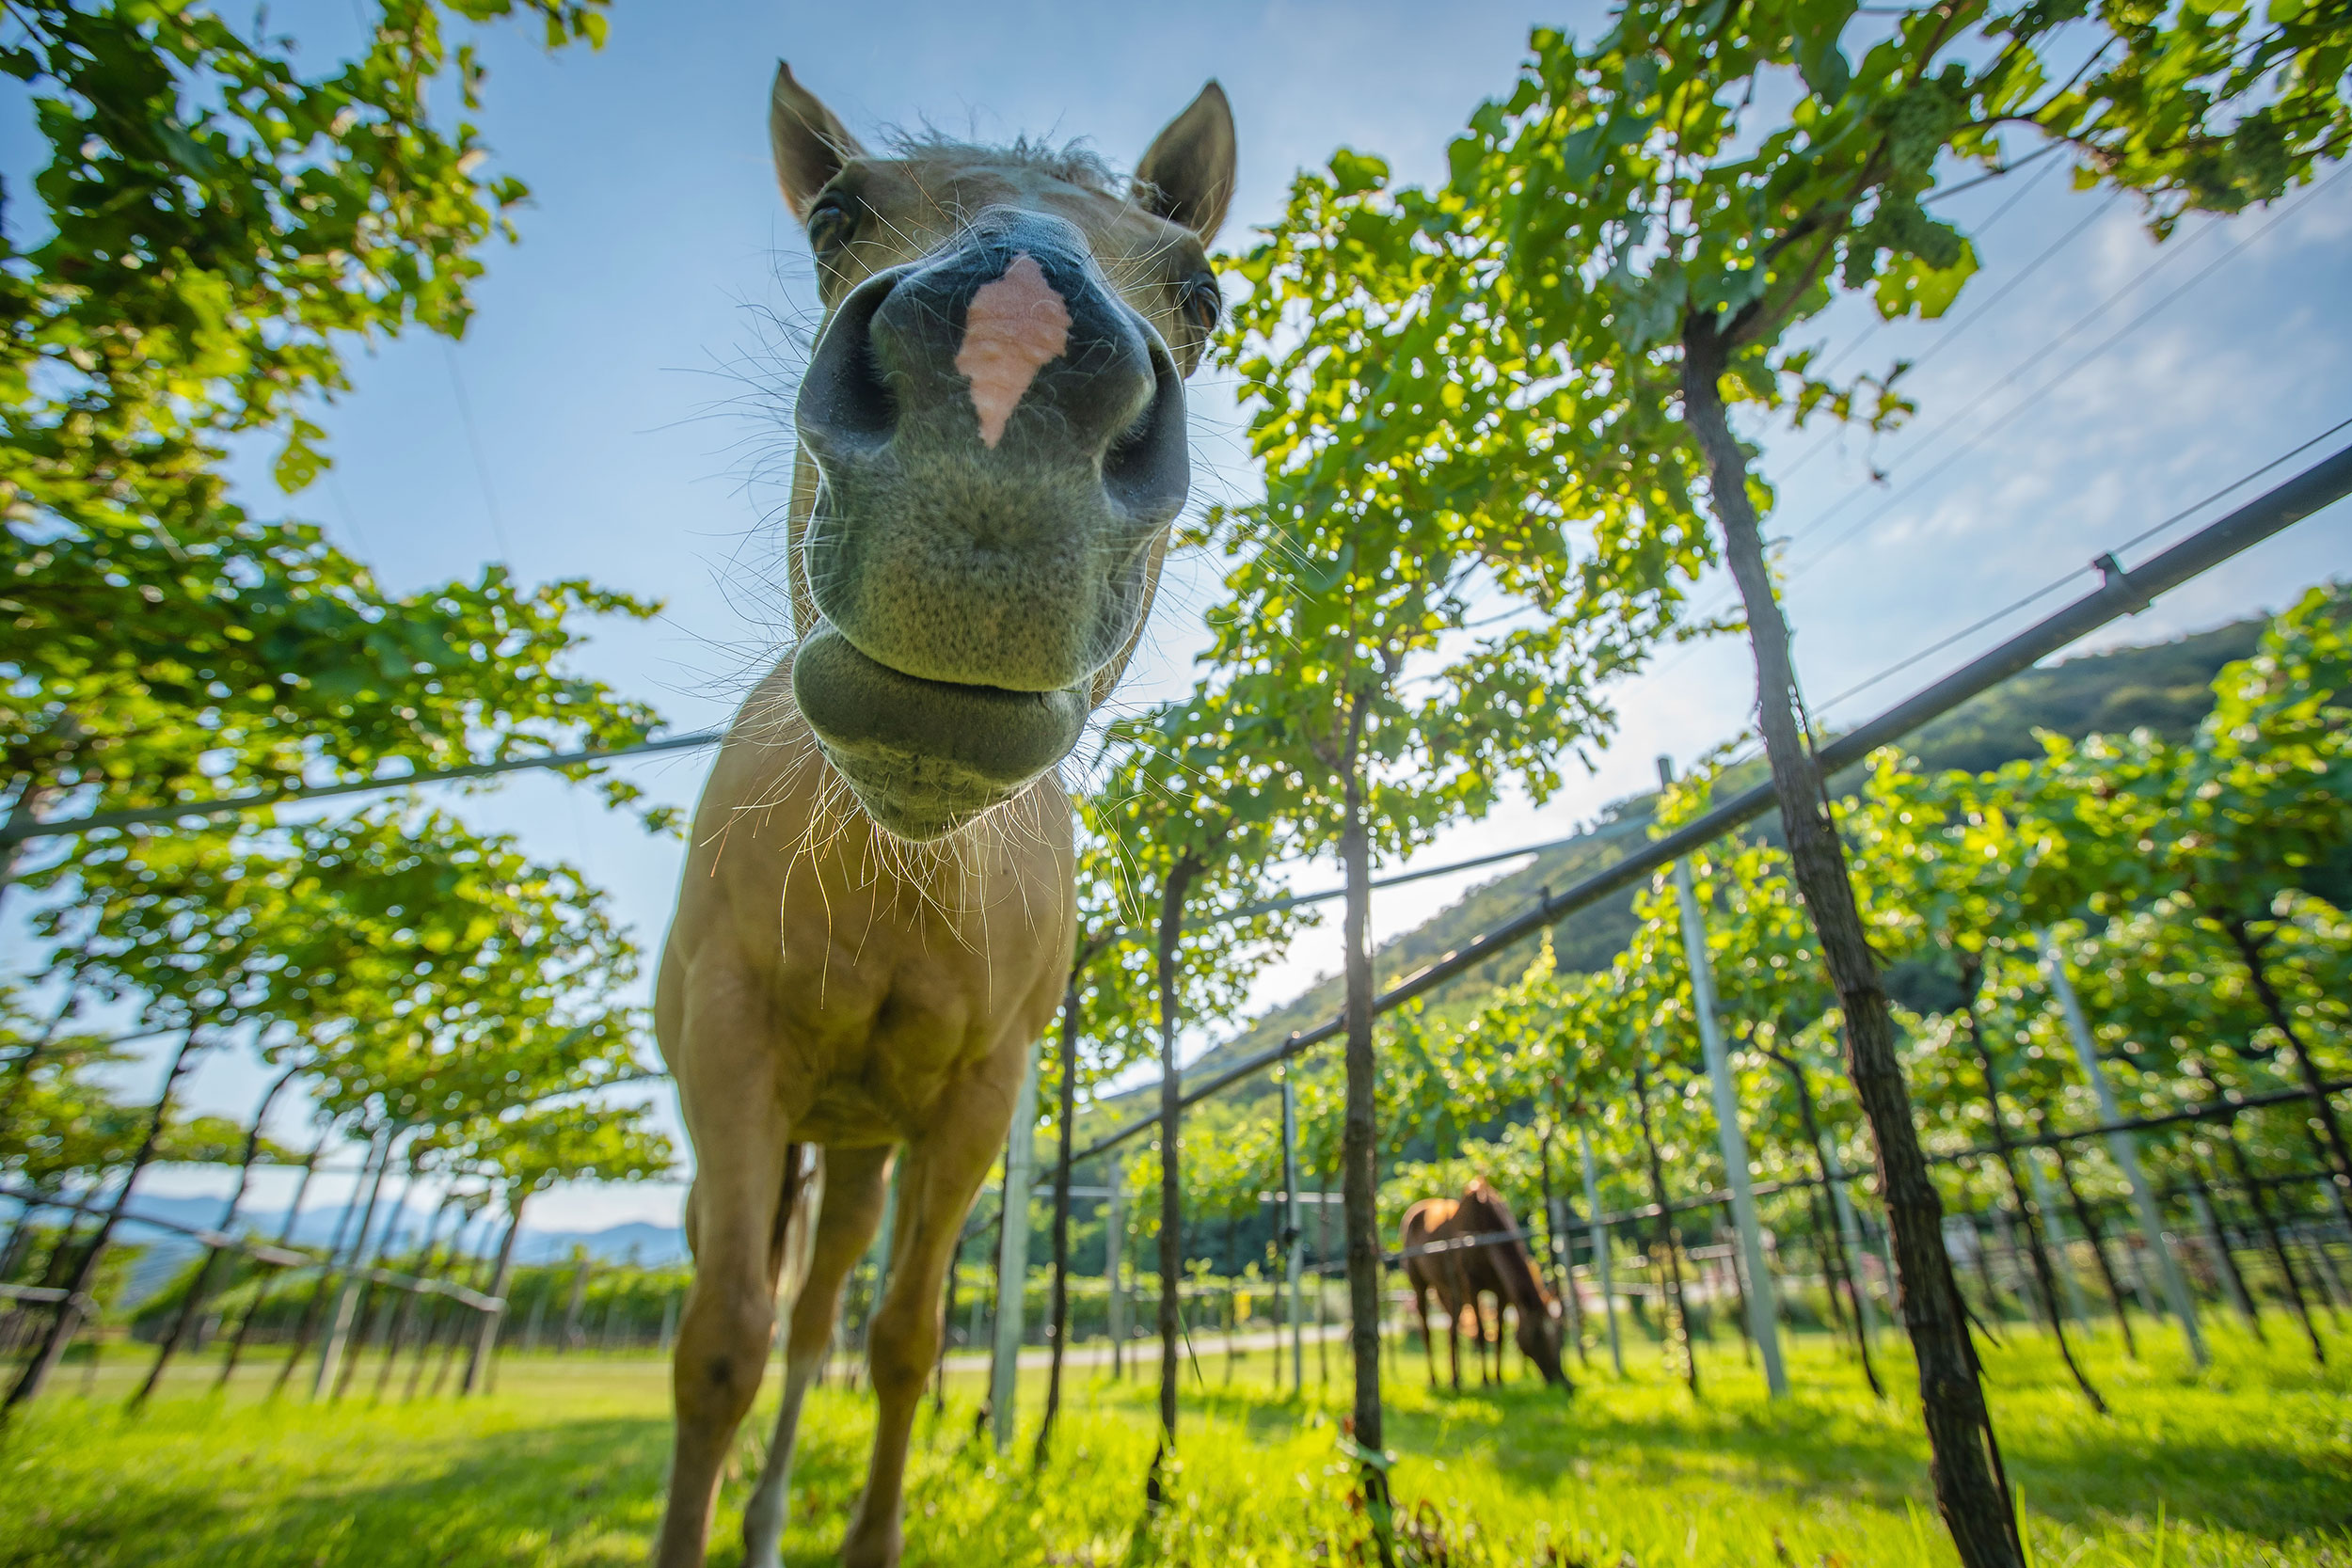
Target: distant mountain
[652, 1246]
[2163, 687]
[163, 1252]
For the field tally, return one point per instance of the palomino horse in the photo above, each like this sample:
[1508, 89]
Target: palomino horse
[1463, 1250]
[877, 915]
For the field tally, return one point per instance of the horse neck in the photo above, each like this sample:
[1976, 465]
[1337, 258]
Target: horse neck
[1513, 1267]
[1517, 1271]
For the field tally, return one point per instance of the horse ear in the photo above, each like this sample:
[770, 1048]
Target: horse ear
[809, 144]
[1186, 176]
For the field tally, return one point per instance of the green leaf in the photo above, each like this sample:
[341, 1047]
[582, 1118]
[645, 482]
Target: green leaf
[1819, 25]
[1355, 172]
[300, 462]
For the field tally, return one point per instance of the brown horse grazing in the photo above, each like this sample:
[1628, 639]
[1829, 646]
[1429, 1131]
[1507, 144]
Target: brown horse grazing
[1464, 1274]
[877, 915]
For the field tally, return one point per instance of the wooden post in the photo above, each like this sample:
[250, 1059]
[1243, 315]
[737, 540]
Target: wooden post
[1666, 1229]
[1971, 1488]
[67, 1317]
[2218, 1242]
[2278, 1244]
[2075, 1306]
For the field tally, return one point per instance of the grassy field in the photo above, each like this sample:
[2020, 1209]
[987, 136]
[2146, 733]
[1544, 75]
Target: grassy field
[2249, 1464]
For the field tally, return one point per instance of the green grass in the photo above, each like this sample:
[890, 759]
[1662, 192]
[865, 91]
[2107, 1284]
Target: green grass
[2248, 1464]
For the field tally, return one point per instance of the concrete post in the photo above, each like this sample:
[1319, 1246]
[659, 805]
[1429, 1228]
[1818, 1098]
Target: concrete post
[1012, 1258]
[2125, 1149]
[1294, 1235]
[1114, 1264]
[1763, 1320]
[347, 1297]
[1600, 1235]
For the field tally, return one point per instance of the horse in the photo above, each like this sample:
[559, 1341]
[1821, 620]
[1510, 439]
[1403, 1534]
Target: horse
[1465, 1249]
[877, 915]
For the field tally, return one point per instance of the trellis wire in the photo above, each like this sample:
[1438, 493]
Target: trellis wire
[264, 1252]
[2120, 593]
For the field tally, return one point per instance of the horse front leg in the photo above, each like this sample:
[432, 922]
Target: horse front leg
[730, 1311]
[856, 1181]
[944, 1173]
[1428, 1339]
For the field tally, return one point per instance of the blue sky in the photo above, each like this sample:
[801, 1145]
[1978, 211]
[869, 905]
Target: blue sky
[615, 411]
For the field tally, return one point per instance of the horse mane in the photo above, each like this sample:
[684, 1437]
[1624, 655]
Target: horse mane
[1492, 1215]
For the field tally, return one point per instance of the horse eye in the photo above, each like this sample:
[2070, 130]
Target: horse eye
[830, 223]
[1202, 303]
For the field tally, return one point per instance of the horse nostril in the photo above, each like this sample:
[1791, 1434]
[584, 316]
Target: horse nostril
[845, 403]
[1148, 469]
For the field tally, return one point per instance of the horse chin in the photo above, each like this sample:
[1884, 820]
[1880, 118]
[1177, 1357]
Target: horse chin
[925, 758]
[918, 804]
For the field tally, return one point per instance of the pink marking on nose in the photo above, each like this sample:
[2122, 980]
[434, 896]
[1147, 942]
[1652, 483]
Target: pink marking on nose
[1011, 329]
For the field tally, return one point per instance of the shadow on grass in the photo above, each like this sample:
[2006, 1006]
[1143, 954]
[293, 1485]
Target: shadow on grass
[2255, 1447]
[580, 1492]
[568, 1477]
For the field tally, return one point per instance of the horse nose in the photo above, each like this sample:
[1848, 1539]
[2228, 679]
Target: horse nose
[1010, 344]
[999, 441]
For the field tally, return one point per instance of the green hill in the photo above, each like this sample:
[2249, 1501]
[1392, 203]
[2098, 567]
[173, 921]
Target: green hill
[2163, 687]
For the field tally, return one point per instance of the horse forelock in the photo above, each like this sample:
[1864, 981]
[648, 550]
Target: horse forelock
[1072, 163]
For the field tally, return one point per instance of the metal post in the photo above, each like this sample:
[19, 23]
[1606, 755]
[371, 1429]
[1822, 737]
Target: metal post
[1322, 1239]
[1294, 1234]
[1114, 1265]
[1601, 1247]
[1763, 1321]
[1012, 1258]
[2125, 1149]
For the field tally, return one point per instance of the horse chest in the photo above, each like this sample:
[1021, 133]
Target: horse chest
[874, 1039]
